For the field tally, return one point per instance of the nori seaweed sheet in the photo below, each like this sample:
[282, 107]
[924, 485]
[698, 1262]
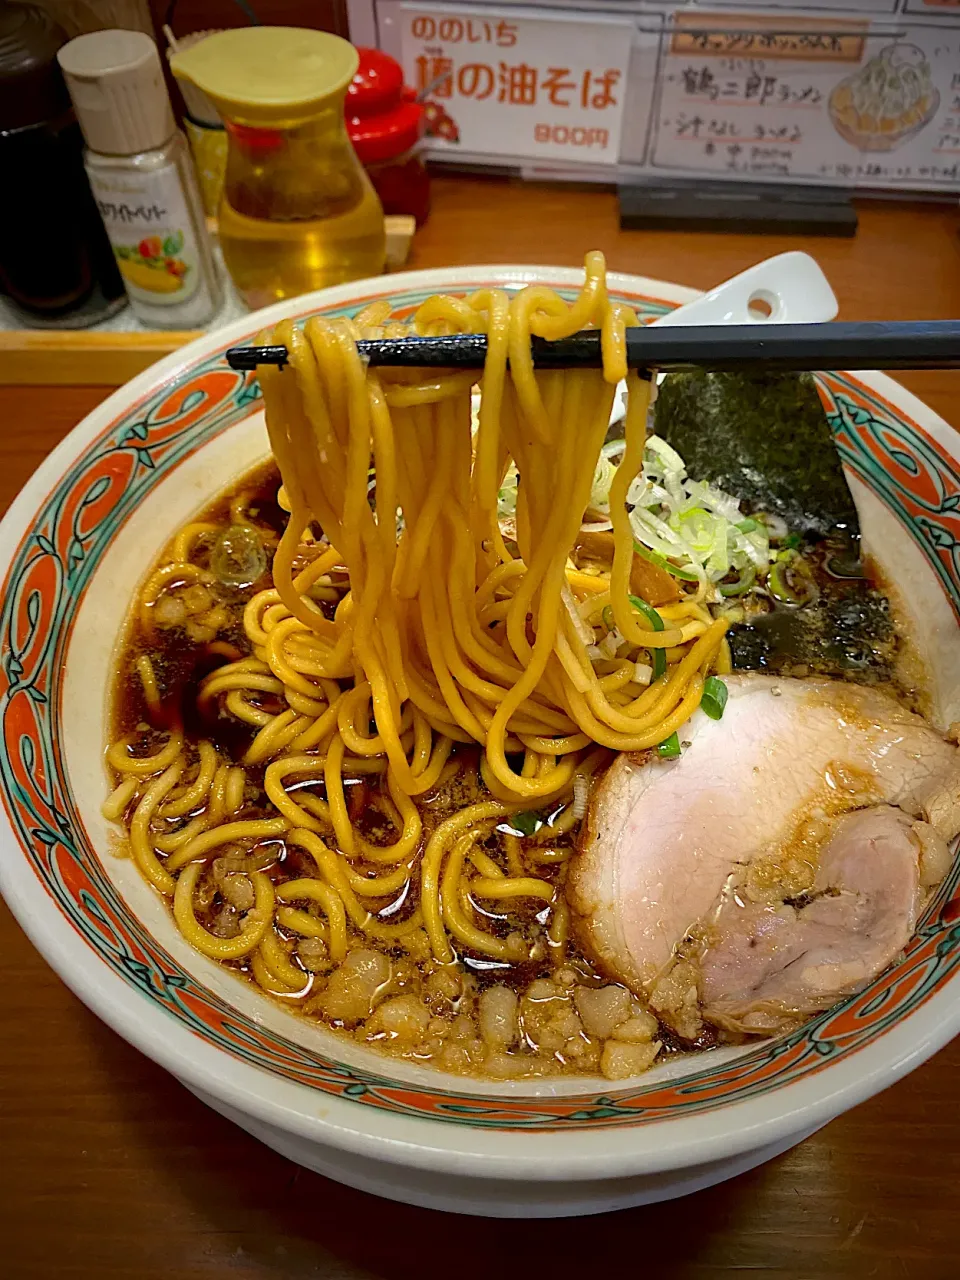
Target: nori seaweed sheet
[763, 438]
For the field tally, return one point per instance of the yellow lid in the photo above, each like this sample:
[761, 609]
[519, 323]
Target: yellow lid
[266, 75]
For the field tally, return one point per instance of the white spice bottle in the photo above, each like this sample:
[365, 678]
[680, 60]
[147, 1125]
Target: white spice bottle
[140, 170]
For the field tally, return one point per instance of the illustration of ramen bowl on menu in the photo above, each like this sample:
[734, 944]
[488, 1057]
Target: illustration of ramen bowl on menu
[153, 264]
[887, 101]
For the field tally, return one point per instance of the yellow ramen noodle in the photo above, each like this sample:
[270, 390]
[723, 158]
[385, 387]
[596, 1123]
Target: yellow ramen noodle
[398, 642]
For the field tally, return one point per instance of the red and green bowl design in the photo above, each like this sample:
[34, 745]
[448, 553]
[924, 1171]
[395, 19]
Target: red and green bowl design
[66, 539]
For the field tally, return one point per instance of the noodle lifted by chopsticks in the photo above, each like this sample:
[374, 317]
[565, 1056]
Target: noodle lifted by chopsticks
[446, 633]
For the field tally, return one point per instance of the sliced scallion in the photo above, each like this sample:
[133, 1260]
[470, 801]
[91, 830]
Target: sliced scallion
[714, 697]
[526, 822]
[743, 584]
[669, 748]
[648, 611]
[779, 584]
[656, 624]
[685, 575]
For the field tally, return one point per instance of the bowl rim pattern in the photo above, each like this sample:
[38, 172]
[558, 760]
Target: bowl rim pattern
[51, 542]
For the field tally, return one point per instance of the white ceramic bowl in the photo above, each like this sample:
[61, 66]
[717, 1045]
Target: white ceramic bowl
[72, 549]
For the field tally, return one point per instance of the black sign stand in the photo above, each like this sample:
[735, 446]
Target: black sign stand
[756, 208]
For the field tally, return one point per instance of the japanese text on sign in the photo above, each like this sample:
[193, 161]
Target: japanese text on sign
[524, 86]
[472, 30]
[787, 37]
[518, 83]
[743, 108]
[701, 82]
[782, 90]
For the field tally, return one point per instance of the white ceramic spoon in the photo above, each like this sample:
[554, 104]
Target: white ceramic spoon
[787, 289]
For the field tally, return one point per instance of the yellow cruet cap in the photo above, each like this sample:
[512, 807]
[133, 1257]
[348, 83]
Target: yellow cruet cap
[268, 75]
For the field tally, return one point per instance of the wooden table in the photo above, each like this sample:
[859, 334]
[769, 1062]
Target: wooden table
[108, 1168]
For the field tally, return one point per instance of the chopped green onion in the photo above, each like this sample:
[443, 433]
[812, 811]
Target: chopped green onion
[669, 748]
[656, 623]
[685, 575]
[526, 822]
[693, 513]
[602, 480]
[743, 584]
[780, 587]
[792, 541]
[607, 615]
[748, 525]
[714, 697]
[648, 611]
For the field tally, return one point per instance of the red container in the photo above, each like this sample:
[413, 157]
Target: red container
[385, 123]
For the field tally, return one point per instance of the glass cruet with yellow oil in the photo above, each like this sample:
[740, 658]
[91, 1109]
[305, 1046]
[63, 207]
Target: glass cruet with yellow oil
[298, 212]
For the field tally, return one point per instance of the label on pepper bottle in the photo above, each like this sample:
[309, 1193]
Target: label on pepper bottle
[150, 229]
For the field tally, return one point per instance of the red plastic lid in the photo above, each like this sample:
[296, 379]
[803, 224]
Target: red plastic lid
[383, 118]
[254, 137]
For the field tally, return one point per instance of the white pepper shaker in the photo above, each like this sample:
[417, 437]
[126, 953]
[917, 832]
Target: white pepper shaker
[142, 178]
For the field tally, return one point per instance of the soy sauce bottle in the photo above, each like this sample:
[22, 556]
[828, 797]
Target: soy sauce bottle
[57, 269]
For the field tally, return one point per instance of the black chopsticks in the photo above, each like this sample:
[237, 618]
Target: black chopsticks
[918, 344]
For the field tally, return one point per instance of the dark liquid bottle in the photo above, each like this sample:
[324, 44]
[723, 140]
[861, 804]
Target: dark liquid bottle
[56, 265]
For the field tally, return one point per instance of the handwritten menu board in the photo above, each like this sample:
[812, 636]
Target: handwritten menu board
[829, 99]
[799, 91]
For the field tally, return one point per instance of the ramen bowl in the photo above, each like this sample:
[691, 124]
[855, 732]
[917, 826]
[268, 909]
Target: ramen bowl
[75, 545]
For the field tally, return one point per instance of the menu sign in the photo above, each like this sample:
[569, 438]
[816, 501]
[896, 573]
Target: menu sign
[511, 82]
[829, 100]
[787, 90]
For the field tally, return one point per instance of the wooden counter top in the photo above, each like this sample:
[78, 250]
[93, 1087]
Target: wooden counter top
[110, 1169]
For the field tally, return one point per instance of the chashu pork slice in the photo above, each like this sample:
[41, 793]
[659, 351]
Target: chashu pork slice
[752, 798]
[766, 965]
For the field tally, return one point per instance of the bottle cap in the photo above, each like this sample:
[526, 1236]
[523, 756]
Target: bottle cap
[116, 83]
[31, 86]
[268, 75]
[383, 117]
[199, 107]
